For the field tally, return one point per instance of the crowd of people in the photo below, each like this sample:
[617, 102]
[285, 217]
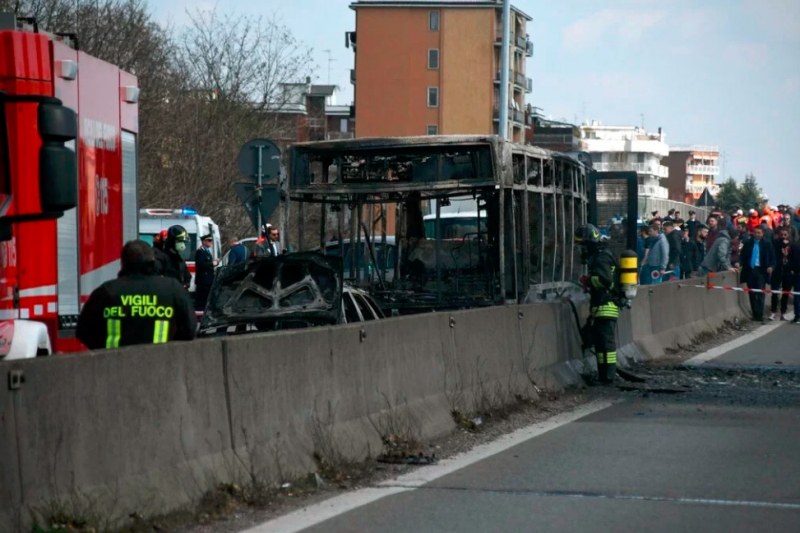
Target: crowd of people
[762, 246]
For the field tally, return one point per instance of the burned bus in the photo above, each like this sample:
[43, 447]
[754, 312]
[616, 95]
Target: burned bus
[370, 200]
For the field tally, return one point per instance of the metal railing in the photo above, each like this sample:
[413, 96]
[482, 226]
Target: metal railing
[710, 170]
[642, 168]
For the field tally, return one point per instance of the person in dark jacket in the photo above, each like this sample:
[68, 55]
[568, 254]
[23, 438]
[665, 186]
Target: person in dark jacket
[601, 284]
[758, 261]
[269, 245]
[713, 231]
[686, 250]
[674, 257]
[794, 268]
[169, 261]
[204, 264]
[692, 225]
[237, 253]
[697, 248]
[139, 307]
[782, 276]
[738, 237]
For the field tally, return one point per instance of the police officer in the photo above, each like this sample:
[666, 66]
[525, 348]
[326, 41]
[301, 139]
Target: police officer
[138, 307]
[169, 261]
[204, 264]
[601, 283]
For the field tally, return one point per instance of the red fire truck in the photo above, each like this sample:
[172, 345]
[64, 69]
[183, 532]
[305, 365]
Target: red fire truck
[52, 259]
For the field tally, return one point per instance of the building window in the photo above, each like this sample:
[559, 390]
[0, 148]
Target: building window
[343, 125]
[433, 20]
[433, 97]
[433, 58]
[433, 129]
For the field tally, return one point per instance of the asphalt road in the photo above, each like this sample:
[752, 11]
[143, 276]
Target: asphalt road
[781, 346]
[702, 461]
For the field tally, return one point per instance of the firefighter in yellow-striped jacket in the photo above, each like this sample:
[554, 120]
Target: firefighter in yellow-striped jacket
[139, 307]
[602, 283]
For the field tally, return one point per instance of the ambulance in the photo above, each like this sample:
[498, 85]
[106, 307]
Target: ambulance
[153, 220]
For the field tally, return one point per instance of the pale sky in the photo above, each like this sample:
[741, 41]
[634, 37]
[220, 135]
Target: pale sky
[709, 72]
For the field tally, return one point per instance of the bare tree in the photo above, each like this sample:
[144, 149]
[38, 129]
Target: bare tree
[232, 71]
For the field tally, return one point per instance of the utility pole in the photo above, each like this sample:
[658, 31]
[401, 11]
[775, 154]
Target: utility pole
[502, 123]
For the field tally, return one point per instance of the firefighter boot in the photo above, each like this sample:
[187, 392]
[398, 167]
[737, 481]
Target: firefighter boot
[603, 372]
[611, 371]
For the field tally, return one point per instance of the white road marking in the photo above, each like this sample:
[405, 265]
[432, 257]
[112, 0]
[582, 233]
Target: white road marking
[732, 345]
[315, 514]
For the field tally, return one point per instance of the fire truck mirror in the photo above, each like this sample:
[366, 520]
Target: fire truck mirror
[58, 165]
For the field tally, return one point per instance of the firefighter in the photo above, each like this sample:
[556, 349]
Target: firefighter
[601, 284]
[138, 307]
[158, 240]
[169, 260]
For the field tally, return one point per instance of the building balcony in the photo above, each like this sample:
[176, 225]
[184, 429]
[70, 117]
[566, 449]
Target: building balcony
[708, 149]
[653, 191]
[699, 187]
[703, 170]
[521, 42]
[659, 171]
[514, 115]
[555, 138]
[520, 80]
[648, 146]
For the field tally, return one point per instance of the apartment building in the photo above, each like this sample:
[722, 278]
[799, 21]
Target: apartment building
[692, 170]
[433, 68]
[628, 148]
[553, 135]
[308, 112]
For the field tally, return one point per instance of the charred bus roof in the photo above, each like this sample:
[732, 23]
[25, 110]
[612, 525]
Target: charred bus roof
[429, 165]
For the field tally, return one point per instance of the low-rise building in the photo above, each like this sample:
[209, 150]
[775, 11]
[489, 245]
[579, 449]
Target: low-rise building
[628, 148]
[308, 112]
[692, 170]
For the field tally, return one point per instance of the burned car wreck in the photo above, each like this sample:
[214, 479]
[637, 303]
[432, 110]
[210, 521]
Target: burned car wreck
[269, 293]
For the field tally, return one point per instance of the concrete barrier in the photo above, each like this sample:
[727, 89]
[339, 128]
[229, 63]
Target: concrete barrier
[140, 429]
[673, 314]
[148, 429]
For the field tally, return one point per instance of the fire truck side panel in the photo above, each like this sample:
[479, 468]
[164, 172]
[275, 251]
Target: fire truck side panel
[67, 288]
[100, 173]
[50, 267]
[129, 124]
